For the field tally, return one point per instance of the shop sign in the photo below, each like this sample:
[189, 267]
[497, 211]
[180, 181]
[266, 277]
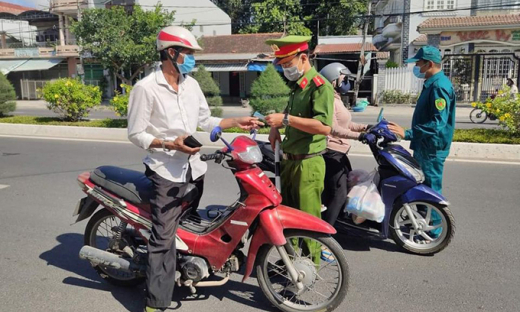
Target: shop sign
[498, 35]
[27, 52]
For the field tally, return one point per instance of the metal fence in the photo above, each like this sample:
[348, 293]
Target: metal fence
[30, 88]
[402, 79]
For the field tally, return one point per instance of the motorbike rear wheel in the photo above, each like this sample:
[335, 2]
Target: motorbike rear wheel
[325, 284]
[422, 241]
[98, 233]
[477, 115]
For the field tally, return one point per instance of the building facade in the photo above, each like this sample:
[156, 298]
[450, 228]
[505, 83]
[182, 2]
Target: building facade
[37, 46]
[235, 61]
[398, 19]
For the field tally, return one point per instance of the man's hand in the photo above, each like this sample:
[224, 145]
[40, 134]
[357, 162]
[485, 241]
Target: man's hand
[178, 145]
[275, 120]
[395, 128]
[248, 123]
[274, 135]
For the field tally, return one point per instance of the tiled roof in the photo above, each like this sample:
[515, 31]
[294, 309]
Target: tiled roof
[238, 44]
[342, 48]
[6, 7]
[421, 39]
[470, 21]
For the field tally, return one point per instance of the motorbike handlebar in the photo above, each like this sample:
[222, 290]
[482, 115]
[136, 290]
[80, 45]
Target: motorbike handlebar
[217, 156]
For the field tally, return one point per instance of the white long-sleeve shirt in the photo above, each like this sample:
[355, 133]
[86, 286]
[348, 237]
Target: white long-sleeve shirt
[156, 110]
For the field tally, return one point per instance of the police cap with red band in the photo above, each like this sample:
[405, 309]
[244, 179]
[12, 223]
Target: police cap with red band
[288, 46]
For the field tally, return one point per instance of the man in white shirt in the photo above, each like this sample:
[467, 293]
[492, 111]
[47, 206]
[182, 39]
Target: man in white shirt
[164, 108]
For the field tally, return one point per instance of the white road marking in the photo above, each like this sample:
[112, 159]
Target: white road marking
[63, 139]
[3, 186]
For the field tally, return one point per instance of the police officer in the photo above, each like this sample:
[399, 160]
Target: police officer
[433, 120]
[308, 120]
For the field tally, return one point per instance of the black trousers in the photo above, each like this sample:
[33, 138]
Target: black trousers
[162, 255]
[334, 196]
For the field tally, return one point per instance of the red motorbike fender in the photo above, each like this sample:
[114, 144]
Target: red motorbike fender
[272, 223]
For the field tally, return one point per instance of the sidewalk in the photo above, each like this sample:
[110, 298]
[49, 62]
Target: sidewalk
[239, 111]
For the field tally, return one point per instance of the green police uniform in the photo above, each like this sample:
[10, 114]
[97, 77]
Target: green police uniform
[312, 96]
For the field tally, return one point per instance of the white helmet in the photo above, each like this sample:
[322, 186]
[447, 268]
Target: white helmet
[176, 36]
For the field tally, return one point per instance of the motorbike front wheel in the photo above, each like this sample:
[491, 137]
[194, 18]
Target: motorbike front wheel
[100, 233]
[325, 278]
[477, 115]
[431, 236]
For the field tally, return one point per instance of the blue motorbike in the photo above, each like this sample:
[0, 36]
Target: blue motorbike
[409, 204]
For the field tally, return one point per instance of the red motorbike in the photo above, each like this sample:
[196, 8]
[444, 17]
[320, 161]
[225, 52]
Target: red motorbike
[282, 241]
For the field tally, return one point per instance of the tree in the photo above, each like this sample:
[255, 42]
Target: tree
[210, 89]
[7, 96]
[121, 41]
[276, 16]
[301, 17]
[238, 10]
[269, 92]
[336, 17]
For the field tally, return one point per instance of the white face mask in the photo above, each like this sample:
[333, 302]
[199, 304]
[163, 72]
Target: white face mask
[293, 73]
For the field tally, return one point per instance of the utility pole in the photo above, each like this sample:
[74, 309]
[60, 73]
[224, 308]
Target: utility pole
[81, 72]
[362, 54]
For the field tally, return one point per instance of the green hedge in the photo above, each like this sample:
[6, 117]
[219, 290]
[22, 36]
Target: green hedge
[461, 135]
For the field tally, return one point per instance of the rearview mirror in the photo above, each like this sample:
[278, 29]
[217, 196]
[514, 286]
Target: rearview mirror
[380, 116]
[215, 135]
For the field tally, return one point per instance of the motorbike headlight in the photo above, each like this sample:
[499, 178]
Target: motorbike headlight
[411, 169]
[252, 155]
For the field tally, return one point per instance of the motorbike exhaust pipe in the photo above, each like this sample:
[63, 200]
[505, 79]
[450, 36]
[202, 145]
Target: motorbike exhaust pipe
[103, 258]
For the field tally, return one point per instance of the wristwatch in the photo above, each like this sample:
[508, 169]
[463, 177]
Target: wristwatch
[163, 143]
[285, 120]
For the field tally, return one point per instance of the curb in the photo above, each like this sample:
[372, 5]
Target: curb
[459, 150]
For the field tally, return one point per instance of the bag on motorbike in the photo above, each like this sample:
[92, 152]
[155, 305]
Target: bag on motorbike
[357, 176]
[364, 200]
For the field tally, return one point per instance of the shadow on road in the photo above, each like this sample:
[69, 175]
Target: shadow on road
[354, 242]
[65, 256]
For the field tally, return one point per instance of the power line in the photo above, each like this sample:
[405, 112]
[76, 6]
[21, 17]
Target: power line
[371, 16]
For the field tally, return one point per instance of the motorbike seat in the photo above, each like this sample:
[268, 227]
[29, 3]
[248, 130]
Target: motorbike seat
[132, 185]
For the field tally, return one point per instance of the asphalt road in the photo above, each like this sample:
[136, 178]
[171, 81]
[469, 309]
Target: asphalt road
[40, 269]
[401, 115]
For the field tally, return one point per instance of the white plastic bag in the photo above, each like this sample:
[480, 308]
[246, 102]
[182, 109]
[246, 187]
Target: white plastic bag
[364, 200]
[357, 176]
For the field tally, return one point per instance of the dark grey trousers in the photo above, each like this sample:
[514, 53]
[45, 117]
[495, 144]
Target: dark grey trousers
[166, 213]
[334, 196]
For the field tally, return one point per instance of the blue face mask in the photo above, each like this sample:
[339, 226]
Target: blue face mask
[344, 87]
[417, 72]
[188, 65]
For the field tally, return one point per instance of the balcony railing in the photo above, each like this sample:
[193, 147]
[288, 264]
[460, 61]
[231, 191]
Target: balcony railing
[67, 6]
[39, 50]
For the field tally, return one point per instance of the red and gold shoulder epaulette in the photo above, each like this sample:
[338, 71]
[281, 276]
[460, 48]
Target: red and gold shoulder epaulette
[318, 81]
[304, 83]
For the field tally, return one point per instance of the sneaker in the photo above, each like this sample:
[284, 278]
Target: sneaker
[326, 255]
[149, 309]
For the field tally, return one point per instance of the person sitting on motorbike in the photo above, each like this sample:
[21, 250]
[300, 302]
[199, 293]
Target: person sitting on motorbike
[163, 109]
[337, 164]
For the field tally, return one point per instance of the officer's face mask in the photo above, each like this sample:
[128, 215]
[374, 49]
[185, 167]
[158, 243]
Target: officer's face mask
[293, 73]
[417, 71]
[188, 65]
